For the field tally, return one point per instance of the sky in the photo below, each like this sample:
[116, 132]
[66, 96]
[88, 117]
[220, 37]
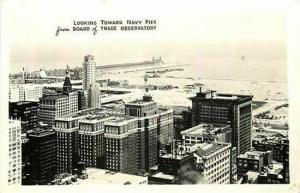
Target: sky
[186, 32]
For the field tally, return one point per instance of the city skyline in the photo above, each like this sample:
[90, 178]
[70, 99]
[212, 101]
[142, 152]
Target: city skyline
[201, 98]
[229, 31]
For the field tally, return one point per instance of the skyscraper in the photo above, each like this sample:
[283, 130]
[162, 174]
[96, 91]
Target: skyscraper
[155, 128]
[121, 136]
[66, 143]
[42, 156]
[15, 163]
[212, 107]
[91, 140]
[88, 71]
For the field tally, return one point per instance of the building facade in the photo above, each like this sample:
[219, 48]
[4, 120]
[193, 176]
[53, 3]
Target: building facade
[27, 112]
[91, 140]
[121, 137]
[42, 156]
[94, 96]
[55, 106]
[156, 129]
[14, 159]
[88, 71]
[25, 92]
[236, 110]
[82, 100]
[206, 133]
[213, 160]
[66, 130]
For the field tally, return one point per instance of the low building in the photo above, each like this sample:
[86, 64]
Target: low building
[25, 92]
[251, 160]
[214, 160]
[205, 132]
[170, 164]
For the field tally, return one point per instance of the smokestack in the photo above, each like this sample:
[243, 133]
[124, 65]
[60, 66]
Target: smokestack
[23, 73]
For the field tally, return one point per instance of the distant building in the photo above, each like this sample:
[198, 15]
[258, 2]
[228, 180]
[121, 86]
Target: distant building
[94, 96]
[88, 71]
[42, 156]
[213, 160]
[25, 92]
[91, 140]
[82, 100]
[14, 159]
[122, 145]
[212, 107]
[26, 112]
[77, 74]
[55, 106]
[67, 86]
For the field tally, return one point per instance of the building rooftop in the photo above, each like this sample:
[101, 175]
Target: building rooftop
[95, 118]
[119, 120]
[207, 149]
[174, 156]
[41, 132]
[201, 128]
[211, 94]
[251, 155]
[106, 177]
[276, 168]
[23, 102]
[54, 97]
[163, 176]
[252, 175]
[146, 100]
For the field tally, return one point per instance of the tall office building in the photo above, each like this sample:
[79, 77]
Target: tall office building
[27, 112]
[25, 92]
[66, 143]
[121, 136]
[42, 156]
[88, 71]
[165, 130]
[55, 106]
[210, 107]
[155, 128]
[91, 140]
[14, 159]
